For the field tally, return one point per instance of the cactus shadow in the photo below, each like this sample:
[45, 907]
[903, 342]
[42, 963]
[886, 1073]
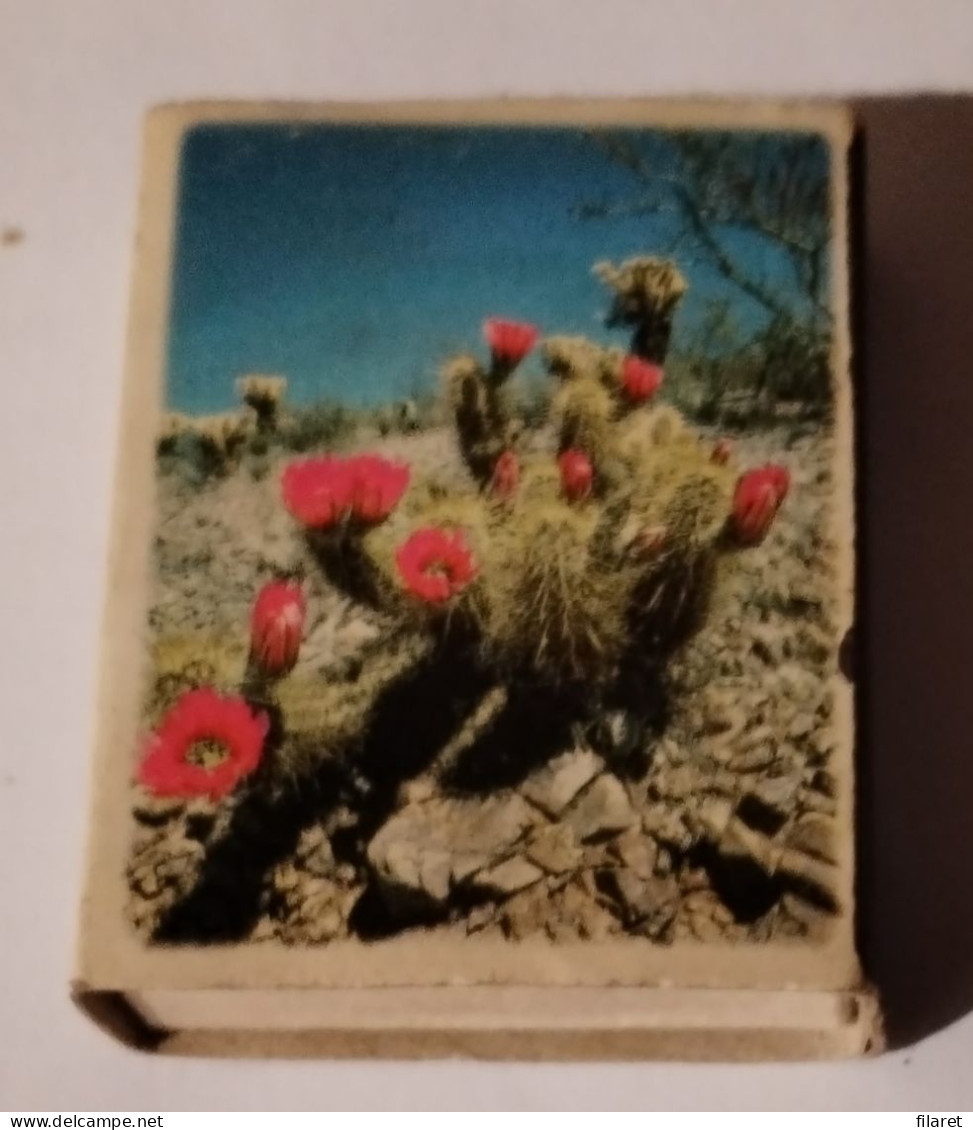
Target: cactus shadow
[411, 721]
[742, 885]
[534, 726]
[540, 722]
[224, 905]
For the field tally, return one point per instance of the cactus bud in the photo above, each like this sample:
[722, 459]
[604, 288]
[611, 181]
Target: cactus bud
[640, 379]
[506, 475]
[649, 542]
[276, 627]
[756, 500]
[781, 478]
[576, 474]
[721, 452]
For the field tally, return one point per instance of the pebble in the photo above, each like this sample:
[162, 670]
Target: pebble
[602, 810]
[507, 878]
[554, 849]
[814, 834]
[555, 786]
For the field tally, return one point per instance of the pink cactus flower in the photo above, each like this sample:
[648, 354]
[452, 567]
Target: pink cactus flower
[317, 492]
[509, 342]
[322, 492]
[435, 564]
[377, 484]
[178, 757]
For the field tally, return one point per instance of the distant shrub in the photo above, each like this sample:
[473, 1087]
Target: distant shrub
[415, 413]
[314, 426]
[782, 372]
[263, 393]
[795, 364]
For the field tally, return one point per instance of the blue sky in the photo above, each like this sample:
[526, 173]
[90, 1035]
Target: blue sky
[354, 259]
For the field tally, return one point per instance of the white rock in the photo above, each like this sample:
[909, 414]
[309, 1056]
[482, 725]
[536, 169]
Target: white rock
[602, 810]
[559, 782]
[508, 877]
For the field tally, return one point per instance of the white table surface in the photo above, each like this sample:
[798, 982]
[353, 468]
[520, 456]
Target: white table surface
[75, 77]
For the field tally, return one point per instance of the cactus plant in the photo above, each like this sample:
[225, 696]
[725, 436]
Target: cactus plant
[558, 572]
[646, 292]
[574, 549]
[575, 552]
[262, 393]
[215, 442]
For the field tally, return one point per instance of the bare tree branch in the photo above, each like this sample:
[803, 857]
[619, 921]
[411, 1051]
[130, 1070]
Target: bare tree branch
[781, 195]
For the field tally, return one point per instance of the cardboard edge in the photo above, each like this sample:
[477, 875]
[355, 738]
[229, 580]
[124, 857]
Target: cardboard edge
[862, 1036]
[116, 1016]
[873, 1020]
[851, 650]
[158, 133]
[831, 117]
[167, 124]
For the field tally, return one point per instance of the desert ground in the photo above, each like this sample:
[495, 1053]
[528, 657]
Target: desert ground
[717, 825]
